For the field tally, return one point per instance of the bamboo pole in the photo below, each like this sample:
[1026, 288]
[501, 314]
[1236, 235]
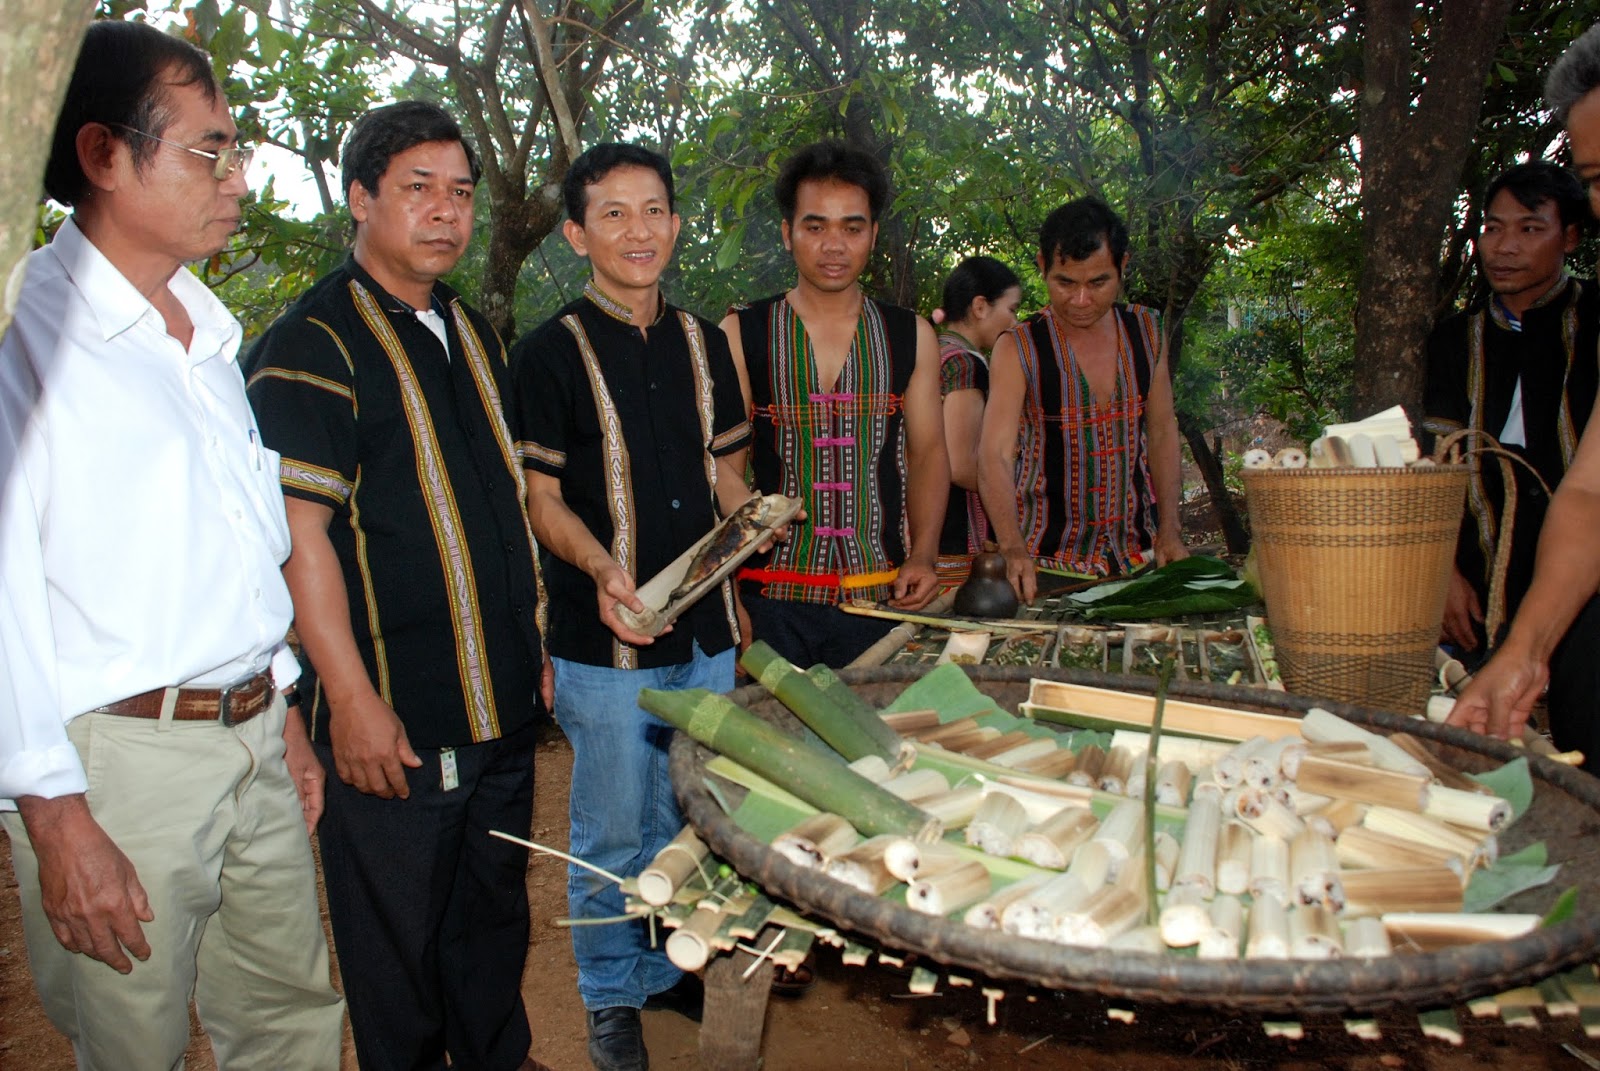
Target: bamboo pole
[1104, 708]
[818, 778]
[853, 730]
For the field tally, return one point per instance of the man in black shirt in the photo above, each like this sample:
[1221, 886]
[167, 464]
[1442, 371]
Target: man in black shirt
[629, 419]
[416, 597]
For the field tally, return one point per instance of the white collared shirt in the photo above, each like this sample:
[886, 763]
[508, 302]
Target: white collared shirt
[141, 521]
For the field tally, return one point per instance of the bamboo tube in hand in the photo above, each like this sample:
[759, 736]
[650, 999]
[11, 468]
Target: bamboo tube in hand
[819, 779]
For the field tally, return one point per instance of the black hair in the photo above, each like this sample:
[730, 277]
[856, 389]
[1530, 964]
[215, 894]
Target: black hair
[121, 79]
[973, 278]
[598, 162]
[386, 132]
[840, 162]
[1078, 228]
[1575, 75]
[1540, 181]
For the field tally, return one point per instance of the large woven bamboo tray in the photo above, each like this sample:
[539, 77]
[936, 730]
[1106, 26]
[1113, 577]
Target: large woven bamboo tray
[1565, 814]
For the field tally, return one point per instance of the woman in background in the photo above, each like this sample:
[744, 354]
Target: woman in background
[980, 302]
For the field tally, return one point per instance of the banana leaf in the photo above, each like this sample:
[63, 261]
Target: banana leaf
[1193, 585]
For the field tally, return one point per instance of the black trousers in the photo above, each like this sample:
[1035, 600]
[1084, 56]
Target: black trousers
[810, 633]
[1574, 696]
[430, 913]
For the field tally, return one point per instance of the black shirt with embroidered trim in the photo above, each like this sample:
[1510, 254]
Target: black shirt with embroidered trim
[644, 491]
[410, 448]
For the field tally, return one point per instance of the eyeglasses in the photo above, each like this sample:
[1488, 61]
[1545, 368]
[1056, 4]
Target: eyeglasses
[224, 161]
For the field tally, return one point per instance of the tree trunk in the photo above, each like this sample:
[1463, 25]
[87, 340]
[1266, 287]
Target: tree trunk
[37, 54]
[1414, 145]
[1208, 460]
[519, 226]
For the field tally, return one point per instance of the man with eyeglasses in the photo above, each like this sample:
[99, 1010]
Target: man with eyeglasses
[162, 782]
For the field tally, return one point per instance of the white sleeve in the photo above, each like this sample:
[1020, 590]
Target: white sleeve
[36, 757]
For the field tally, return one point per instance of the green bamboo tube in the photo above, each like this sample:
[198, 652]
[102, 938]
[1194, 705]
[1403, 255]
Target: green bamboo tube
[847, 700]
[819, 779]
[840, 728]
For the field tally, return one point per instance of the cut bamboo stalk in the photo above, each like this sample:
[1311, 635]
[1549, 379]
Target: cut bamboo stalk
[1003, 742]
[909, 722]
[1263, 813]
[1193, 752]
[1205, 784]
[863, 867]
[1092, 864]
[1121, 833]
[1184, 917]
[1353, 751]
[1059, 763]
[815, 839]
[906, 859]
[1111, 911]
[1340, 815]
[1314, 870]
[1442, 771]
[1275, 763]
[1146, 939]
[1366, 938]
[1116, 771]
[954, 808]
[853, 730]
[916, 785]
[998, 825]
[1320, 725]
[1172, 783]
[1470, 810]
[689, 946]
[819, 779]
[938, 732]
[1269, 869]
[1223, 939]
[1430, 931]
[1034, 915]
[1361, 847]
[950, 891]
[1234, 845]
[1268, 929]
[1078, 704]
[1167, 851]
[1051, 843]
[1364, 784]
[1314, 933]
[673, 865]
[1039, 805]
[969, 737]
[986, 913]
[1033, 749]
[1304, 804]
[1197, 861]
[1423, 830]
[1229, 766]
[1381, 892]
[873, 767]
[1086, 770]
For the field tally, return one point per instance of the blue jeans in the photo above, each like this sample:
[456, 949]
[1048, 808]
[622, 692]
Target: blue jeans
[622, 813]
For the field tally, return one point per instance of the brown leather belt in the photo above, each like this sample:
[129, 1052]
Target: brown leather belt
[233, 705]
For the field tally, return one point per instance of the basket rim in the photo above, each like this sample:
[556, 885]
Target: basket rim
[1436, 469]
[1428, 979]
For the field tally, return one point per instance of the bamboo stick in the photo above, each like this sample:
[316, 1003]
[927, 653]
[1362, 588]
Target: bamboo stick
[949, 891]
[998, 825]
[1471, 810]
[1268, 929]
[672, 866]
[1320, 725]
[1077, 704]
[1364, 784]
[1381, 892]
[815, 839]
[1314, 933]
[1234, 846]
[853, 730]
[1050, 843]
[819, 779]
[1223, 938]
[1197, 859]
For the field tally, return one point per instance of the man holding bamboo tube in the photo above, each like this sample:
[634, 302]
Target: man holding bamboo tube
[628, 421]
[1567, 567]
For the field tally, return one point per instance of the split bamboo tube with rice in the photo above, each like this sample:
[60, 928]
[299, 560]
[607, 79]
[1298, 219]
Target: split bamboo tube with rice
[1050, 843]
[1234, 848]
[1314, 933]
[1223, 939]
[986, 913]
[1382, 892]
[1364, 784]
[1086, 769]
[948, 891]
[864, 866]
[1268, 929]
[1197, 857]
[998, 826]
[815, 839]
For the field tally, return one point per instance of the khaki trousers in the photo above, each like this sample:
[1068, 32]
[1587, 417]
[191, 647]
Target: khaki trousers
[209, 818]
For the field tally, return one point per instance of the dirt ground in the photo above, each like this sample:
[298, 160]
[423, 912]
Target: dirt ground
[863, 1019]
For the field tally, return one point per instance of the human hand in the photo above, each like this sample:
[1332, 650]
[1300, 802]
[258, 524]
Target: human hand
[1461, 611]
[1021, 574]
[304, 769]
[547, 684]
[613, 585]
[1169, 548]
[915, 587]
[746, 630]
[370, 749]
[1501, 695]
[88, 889]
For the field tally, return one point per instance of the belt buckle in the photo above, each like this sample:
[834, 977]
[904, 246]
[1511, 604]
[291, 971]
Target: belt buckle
[225, 699]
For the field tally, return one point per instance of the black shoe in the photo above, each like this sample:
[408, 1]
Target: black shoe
[687, 998]
[616, 1041]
